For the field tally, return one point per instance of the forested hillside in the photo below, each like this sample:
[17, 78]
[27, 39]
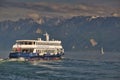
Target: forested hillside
[76, 33]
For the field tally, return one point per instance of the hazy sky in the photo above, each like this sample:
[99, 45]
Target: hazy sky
[112, 3]
[11, 9]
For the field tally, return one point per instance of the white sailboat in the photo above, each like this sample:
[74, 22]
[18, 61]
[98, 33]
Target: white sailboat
[102, 50]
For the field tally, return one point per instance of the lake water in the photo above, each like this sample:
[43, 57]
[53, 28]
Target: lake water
[86, 65]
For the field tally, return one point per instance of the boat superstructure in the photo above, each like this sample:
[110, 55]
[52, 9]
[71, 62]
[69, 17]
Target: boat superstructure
[41, 49]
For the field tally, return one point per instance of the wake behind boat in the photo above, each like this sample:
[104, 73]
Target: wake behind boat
[37, 49]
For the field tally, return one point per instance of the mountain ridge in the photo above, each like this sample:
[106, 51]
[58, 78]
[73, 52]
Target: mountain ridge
[77, 33]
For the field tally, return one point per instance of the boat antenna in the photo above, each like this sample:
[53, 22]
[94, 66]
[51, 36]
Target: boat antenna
[47, 36]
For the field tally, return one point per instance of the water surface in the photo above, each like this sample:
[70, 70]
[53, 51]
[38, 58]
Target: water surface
[74, 66]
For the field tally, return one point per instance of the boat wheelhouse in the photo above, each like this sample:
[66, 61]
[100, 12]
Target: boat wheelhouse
[41, 49]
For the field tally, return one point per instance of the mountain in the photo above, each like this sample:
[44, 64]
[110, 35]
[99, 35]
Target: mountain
[76, 33]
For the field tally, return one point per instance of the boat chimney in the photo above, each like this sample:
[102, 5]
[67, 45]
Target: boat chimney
[47, 36]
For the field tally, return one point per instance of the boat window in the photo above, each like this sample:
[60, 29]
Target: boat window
[26, 43]
[30, 43]
[33, 43]
[56, 44]
[27, 50]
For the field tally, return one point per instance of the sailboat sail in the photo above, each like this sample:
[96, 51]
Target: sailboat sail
[102, 51]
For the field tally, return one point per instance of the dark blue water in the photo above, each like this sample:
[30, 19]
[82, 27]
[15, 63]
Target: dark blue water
[75, 66]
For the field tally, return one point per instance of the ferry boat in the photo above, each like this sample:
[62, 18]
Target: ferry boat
[37, 49]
